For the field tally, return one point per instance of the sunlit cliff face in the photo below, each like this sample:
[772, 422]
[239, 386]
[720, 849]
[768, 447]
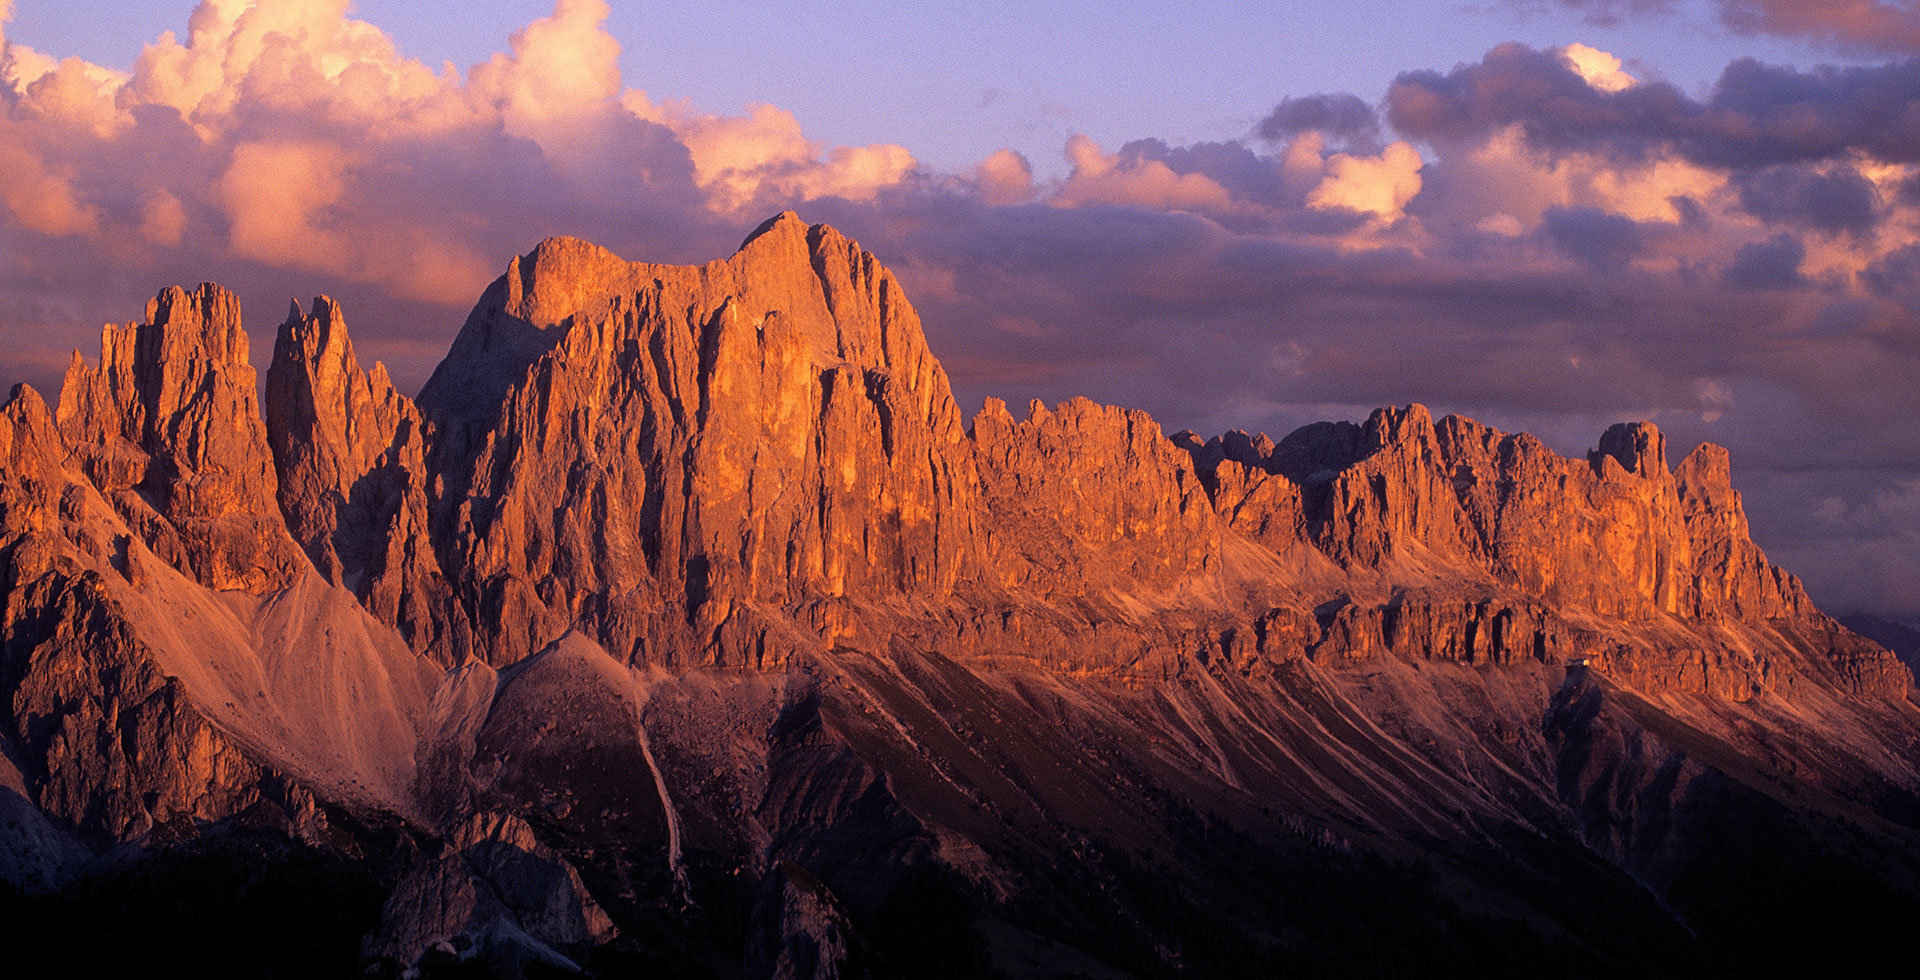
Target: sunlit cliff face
[1548, 238]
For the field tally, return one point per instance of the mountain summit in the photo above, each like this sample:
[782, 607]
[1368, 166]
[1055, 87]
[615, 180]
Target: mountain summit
[683, 622]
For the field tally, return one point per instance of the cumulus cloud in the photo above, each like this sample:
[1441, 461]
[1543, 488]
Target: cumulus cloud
[163, 219]
[1603, 240]
[288, 134]
[270, 194]
[1598, 68]
[1099, 177]
[1380, 185]
[1341, 114]
[762, 158]
[40, 196]
[1756, 115]
[1005, 177]
[562, 75]
[1896, 276]
[1835, 200]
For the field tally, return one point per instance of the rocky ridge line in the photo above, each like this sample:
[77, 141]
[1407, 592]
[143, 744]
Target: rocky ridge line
[732, 465]
[687, 591]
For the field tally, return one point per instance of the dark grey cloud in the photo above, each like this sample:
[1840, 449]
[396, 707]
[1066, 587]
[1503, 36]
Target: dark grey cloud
[1340, 115]
[1771, 264]
[1838, 201]
[1757, 115]
[1605, 241]
[1855, 26]
[1896, 276]
[1235, 166]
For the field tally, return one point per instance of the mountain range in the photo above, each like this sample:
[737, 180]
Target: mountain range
[683, 625]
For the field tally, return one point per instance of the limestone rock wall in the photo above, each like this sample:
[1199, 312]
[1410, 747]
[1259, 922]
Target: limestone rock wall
[106, 741]
[168, 426]
[737, 464]
[1085, 498]
[350, 455]
[1617, 533]
[698, 442]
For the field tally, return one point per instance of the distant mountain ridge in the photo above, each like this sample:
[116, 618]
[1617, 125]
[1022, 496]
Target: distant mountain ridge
[684, 622]
[1902, 639]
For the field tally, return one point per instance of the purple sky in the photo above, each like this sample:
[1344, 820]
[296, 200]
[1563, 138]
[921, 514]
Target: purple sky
[1547, 214]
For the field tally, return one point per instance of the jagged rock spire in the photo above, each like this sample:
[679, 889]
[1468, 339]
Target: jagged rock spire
[168, 426]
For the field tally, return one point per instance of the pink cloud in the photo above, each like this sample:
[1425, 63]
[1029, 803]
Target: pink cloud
[1099, 177]
[301, 138]
[1380, 185]
[1005, 177]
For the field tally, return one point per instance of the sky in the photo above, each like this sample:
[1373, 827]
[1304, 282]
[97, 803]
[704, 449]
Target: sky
[1549, 215]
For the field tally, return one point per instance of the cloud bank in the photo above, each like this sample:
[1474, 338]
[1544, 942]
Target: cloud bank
[1539, 238]
[1882, 26]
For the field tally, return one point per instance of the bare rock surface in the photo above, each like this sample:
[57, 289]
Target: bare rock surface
[682, 623]
[350, 454]
[697, 444]
[494, 894]
[167, 425]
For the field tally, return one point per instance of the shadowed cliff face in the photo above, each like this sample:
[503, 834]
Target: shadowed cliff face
[683, 623]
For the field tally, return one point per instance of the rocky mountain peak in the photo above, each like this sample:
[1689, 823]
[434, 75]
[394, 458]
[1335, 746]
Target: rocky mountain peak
[520, 317]
[783, 226]
[30, 442]
[148, 369]
[1410, 426]
[766, 428]
[168, 426]
[1638, 447]
[332, 423]
[679, 577]
[561, 275]
[1731, 575]
[1087, 498]
[1707, 466]
[351, 452]
[204, 321]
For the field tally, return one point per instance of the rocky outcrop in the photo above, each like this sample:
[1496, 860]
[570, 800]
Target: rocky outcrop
[350, 454]
[1086, 499]
[1730, 575]
[168, 427]
[697, 444]
[1603, 534]
[167, 656]
[807, 935]
[1462, 502]
[1664, 556]
[106, 743]
[730, 464]
[493, 894]
[683, 615]
[1253, 500]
